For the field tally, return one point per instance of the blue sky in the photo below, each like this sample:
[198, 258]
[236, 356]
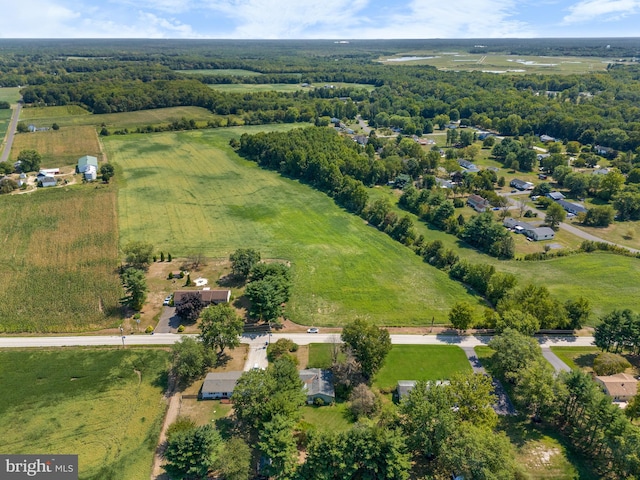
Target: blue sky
[332, 19]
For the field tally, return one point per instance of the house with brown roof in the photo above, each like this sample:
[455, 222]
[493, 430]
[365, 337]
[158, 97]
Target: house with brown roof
[621, 386]
[206, 296]
[478, 203]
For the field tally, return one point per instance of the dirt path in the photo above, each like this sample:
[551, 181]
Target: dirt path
[174, 399]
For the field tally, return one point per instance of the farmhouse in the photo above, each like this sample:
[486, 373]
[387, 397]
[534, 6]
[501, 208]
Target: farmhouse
[620, 387]
[546, 139]
[478, 203]
[604, 151]
[318, 384]
[555, 196]
[571, 207]
[206, 296]
[84, 162]
[219, 385]
[539, 233]
[521, 184]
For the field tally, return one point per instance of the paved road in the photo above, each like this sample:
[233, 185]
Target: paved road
[365, 128]
[11, 131]
[300, 338]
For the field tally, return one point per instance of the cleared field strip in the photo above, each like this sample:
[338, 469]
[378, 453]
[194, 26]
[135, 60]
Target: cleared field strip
[189, 192]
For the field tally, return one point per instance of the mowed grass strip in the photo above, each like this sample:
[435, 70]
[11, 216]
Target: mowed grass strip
[59, 258]
[58, 147]
[421, 362]
[9, 94]
[321, 355]
[104, 405]
[36, 113]
[5, 120]
[142, 118]
[578, 358]
[189, 192]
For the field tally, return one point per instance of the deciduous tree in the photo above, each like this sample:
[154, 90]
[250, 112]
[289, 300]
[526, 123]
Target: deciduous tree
[368, 344]
[220, 327]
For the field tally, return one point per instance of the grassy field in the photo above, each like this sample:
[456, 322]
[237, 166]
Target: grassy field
[9, 94]
[39, 113]
[58, 147]
[256, 87]
[329, 418]
[500, 63]
[421, 362]
[236, 72]
[189, 192]
[49, 115]
[577, 357]
[59, 258]
[5, 119]
[104, 405]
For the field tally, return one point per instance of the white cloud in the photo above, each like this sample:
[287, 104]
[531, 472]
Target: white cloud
[607, 10]
[288, 18]
[36, 18]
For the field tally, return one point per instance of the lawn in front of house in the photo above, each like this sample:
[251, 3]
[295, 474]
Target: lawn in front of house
[420, 362]
[103, 404]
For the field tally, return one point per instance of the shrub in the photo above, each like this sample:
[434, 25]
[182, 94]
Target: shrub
[318, 402]
[136, 316]
[609, 364]
[281, 347]
[149, 329]
[181, 329]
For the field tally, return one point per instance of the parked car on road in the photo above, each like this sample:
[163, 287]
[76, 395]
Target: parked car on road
[312, 330]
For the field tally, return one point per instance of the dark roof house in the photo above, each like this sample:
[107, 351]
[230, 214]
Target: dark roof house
[521, 184]
[318, 384]
[539, 233]
[555, 196]
[571, 207]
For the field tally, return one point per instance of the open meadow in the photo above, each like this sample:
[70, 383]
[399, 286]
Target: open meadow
[9, 94]
[280, 87]
[58, 147]
[500, 63]
[46, 116]
[104, 405]
[235, 72]
[189, 192]
[5, 119]
[59, 257]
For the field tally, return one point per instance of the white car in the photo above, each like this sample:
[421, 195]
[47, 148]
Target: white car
[313, 330]
[167, 301]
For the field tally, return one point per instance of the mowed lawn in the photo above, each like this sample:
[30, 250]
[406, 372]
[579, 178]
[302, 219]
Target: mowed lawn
[577, 357]
[47, 116]
[421, 362]
[5, 119]
[59, 258]
[59, 147]
[189, 192]
[9, 94]
[103, 405]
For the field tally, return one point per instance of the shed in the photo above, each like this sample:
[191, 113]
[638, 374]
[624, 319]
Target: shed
[219, 385]
[48, 180]
[84, 162]
[318, 383]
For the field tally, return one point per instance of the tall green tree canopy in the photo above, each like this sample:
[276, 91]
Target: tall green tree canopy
[368, 344]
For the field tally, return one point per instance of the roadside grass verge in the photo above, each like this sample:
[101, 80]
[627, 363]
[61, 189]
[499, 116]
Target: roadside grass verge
[577, 357]
[102, 404]
[58, 147]
[420, 362]
[60, 257]
[320, 355]
[189, 192]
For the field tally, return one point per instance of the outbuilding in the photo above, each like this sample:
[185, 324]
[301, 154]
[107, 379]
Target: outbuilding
[84, 162]
[219, 385]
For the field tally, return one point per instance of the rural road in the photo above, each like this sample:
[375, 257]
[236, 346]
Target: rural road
[11, 131]
[259, 340]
